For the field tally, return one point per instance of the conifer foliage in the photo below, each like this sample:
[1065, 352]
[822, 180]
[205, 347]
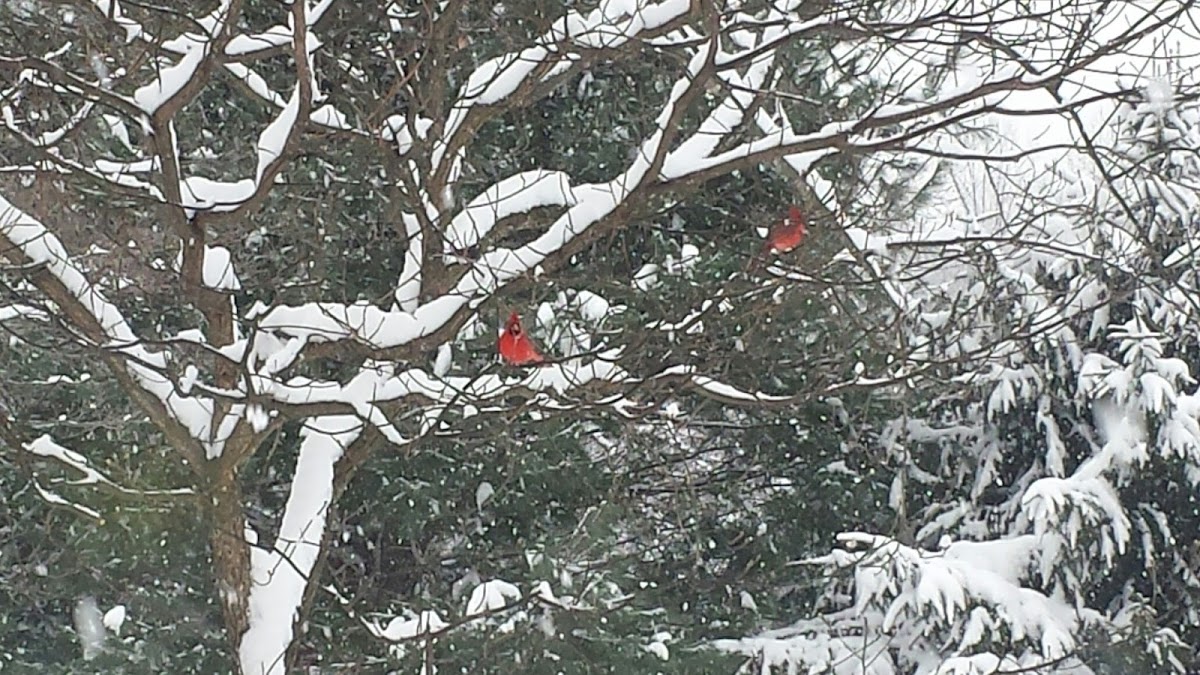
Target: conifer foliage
[255, 258]
[1051, 475]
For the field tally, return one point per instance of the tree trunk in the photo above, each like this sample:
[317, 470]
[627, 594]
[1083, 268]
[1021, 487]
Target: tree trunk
[231, 558]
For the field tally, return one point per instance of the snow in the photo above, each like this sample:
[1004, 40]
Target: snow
[367, 323]
[112, 9]
[500, 77]
[274, 138]
[516, 194]
[746, 601]
[809, 643]
[200, 193]
[275, 36]
[369, 388]
[383, 329]
[719, 389]
[911, 581]
[172, 79]
[138, 166]
[57, 500]
[218, 269]
[606, 27]
[1065, 517]
[408, 290]
[401, 629]
[725, 117]
[49, 138]
[279, 36]
[974, 585]
[329, 116]
[89, 626]
[978, 664]
[646, 277]
[690, 323]
[10, 312]
[689, 255]
[218, 272]
[280, 576]
[546, 317]
[63, 379]
[114, 618]
[190, 375]
[119, 131]
[483, 493]
[40, 246]
[395, 129]
[258, 417]
[491, 596]
[441, 365]
[659, 649]
[255, 82]
[44, 446]
[591, 307]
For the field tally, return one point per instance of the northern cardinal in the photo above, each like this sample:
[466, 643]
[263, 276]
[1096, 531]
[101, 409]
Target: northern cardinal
[788, 233]
[514, 345]
[784, 236]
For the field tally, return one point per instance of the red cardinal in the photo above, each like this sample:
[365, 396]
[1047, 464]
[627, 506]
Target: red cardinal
[786, 234]
[514, 345]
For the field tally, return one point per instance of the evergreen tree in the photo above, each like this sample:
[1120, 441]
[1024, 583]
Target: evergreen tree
[254, 254]
[1052, 486]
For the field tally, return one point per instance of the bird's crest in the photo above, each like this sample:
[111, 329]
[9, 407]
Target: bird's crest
[796, 217]
[514, 324]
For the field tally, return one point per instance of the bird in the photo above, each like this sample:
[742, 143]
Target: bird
[784, 236]
[788, 233]
[514, 345]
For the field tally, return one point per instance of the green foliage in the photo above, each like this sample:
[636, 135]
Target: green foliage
[655, 525]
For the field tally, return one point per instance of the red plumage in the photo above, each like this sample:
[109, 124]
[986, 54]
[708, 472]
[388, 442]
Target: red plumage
[784, 236]
[788, 233]
[514, 345]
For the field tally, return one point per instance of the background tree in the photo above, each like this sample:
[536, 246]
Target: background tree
[1049, 469]
[285, 232]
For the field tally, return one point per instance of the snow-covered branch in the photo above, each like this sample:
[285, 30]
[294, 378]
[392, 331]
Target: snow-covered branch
[325, 221]
[25, 241]
[282, 573]
[45, 447]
